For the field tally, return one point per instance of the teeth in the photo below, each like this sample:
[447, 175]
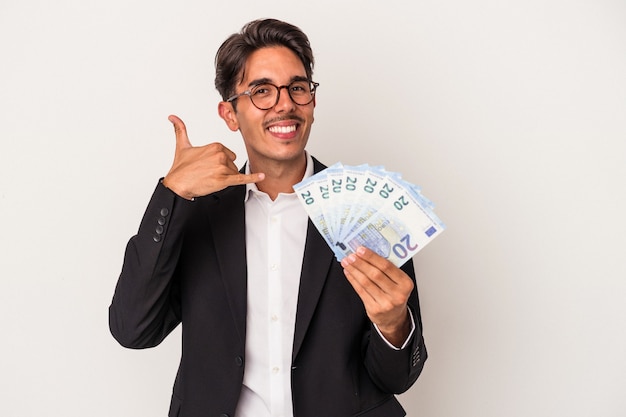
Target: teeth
[282, 129]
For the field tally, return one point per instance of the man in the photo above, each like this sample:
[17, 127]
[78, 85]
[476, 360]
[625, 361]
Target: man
[272, 324]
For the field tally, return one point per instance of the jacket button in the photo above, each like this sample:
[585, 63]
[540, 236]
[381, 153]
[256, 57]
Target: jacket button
[164, 212]
[224, 415]
[156, 238]
[239, 361]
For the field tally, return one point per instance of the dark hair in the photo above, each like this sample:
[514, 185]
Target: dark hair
[231, 57]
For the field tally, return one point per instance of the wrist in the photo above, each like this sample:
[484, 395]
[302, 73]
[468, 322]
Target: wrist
[397, 332]
[167, 183]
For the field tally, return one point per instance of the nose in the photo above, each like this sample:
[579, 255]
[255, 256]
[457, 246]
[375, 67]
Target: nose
[284, 102]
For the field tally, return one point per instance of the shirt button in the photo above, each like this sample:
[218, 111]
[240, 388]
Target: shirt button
[274, 267]
[274, 317]
[275, 370]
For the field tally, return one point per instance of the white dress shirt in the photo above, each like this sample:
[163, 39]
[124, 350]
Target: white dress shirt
[275, 239]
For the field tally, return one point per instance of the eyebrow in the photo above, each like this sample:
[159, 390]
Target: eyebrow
[260, 81]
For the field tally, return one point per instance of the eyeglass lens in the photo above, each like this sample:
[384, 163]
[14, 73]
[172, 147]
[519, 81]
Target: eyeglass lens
[265, 96]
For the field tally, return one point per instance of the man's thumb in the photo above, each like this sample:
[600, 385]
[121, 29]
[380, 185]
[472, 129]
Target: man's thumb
[182, 140]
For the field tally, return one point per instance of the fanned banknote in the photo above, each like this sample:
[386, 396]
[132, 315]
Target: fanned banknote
[362, 205]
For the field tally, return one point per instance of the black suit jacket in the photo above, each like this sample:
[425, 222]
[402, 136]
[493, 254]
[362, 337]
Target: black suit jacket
[187, 264]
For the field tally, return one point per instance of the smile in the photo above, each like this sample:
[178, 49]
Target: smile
[282, 129]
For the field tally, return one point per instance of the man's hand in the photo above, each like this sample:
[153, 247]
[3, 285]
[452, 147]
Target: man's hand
[384, 290]
[202, 170]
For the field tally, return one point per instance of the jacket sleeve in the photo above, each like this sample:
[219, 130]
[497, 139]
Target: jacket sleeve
[146, 303]
[395, 371]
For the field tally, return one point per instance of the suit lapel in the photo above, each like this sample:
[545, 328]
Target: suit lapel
[227, 220]
[317, 261]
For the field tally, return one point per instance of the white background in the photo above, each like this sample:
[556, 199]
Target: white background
[510, 114]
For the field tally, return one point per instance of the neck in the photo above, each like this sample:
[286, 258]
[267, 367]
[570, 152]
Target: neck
[280, 176]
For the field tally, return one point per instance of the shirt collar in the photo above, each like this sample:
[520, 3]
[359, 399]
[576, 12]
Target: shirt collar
[252, 188]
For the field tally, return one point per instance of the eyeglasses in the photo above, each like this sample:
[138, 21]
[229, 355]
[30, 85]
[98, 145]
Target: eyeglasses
[266, 95]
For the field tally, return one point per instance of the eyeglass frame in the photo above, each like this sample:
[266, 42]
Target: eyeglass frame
[248, 93]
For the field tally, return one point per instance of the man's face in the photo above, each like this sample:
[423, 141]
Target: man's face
[279, 134]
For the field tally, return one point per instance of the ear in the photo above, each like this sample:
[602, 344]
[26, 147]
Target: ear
[228, 113]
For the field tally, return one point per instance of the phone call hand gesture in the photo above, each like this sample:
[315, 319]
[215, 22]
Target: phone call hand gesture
[202, 170]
